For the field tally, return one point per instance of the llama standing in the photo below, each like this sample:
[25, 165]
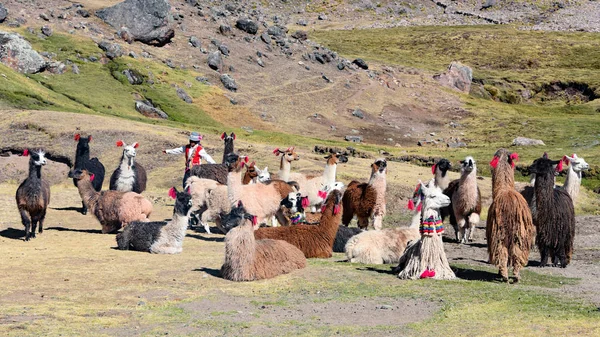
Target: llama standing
[83, 162]
[228, 145]
[367, 200]
[249, 259]
[263, 175]
[33, 195]
[130, 176]
[216, 172]
[425, 257]
[285, 165]
[439, 171]
[573, 180]
[509, 229]
[555, 218]
[159, 237]
[466, 201]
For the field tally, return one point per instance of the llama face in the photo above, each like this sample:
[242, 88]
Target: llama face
[183, 202]
[263, 175]
[251, 170]
[335, 158]
[544, 168]
[129, 150]
[291, 155]
[434, 198]
[468, 165]
[236, 217]
[38, 158]
[83, 144]
[577, 164]
[443, 165]
[79, 174]
[379, 166]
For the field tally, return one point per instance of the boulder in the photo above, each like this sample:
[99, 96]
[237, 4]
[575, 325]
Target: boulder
[133, 77]
[146, 20]
[228, 82]
[358, 113]
[112, 50]
[75, 69]
[83, 13]
[184, 95]
[247, 25]
[214, 61]
[266, 38]
[147, 109]
[16, 53]
[458, 77]
[47, 31]
[225, 29]
[300, 35]
[354, 139]
[302, 22]
[276, 31]
[224, 50]
[3, 13]
[195, 42]
[56, 67]
[361, 63]
[522, 141]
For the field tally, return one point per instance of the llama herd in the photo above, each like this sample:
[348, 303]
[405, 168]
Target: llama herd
[274, 222]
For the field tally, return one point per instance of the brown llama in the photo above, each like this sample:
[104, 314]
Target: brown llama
[313, 240]
[509, 225]
[249, 259]
[33, 195]
[250, 174]
[367, 200]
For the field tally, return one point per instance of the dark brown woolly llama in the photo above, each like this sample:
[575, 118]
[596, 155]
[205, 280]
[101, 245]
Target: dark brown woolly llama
[313, 240]
[367, 200]
[555, 215]
[33, 195]
[509, 224]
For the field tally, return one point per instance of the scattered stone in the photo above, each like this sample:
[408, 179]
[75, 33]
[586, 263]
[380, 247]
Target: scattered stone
[203, 80]
[522, 141]
[184, 96]
[134, 77]
[233, 101]
[147, 109]
[125, 34]
[260, 62]
[266, 38]
[322, 17]
[195, 42]
[169, 63]
[56, 67]
[247, 129]
[341, 66]
[75, 69]
[214, 61]
[224, 50]
[325, 78]
[112, 50]
[488, 4]
[228, 82]
[275, 31]
[247, 25]
[385, 307]
[16, 53]
[225, 29]
[432, 134]
[47, 31]
[231, 68]
[146, 55]
[361, 63]
[456, 145]
[132, 54]
[147, 20]
[300, 35]
[83, 13]
[3, 13]
[302, 22]
[93, 58]
[358, 113]
[319, 57]
[354, 139]
[458, 76]
[44, 17]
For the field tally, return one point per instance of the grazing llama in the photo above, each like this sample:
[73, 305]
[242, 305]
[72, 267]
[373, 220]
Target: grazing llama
[130, 176]
[510, 227]
[249, 259]
[367, 200]
[83, 162]
[33, 195]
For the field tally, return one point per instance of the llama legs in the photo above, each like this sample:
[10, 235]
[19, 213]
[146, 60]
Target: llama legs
[378, 222]
[363, 222]
[473, 222]
[42, 218]
[544, 257]
[83, 209]
[27, 223]
[461, 222]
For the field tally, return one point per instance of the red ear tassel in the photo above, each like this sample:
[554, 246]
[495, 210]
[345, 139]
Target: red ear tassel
[322, 194]
[322, 208]
[336, 209]
[119, 143]
[172, 193]
[92, 177]
[254, 220]
[305, 202]
[433, 168]
[135, 145]
[559, 167]
[25, 153]
[419, 207]
[276, 152]
[514, 157]
[223, 136]
[494, 162]
[76, 137]
[411, 205]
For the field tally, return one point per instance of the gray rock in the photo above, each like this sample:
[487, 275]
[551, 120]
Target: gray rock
[322, 17]
[132, 54]
[3, 13]
[47, 31]
[83, 13]
[169, 63]
[184, 96]
[228, 82]
[112, 50]
[300, 35]
[75, 69]
[302, 22]
[147, 20]
[56, 67]
[260, 62]
[16, 53]
[458, 76]
[275, 31]
[44, 17]
[358, 113]
[455, 145]
[133, 77]
[147, 109]
[93, 58]
[354, 139]
[325, 78]
[522, 141]
[488, 4]
[195, 42]
[224, 50]
[214, 61]
[225, 29]
[247, 25]
[341, 66]
[361, 63]
[266, 38]
[203, 80]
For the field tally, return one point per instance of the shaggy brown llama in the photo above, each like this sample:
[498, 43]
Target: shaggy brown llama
[367, 200]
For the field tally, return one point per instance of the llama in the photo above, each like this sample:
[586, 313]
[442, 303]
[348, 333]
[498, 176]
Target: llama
[250, 175]
[425, 257]
[295, 204]
[83, 162]
[33, 195]
[573, 180]
[261, 200]
[209, 200]
[528, 192]
[380, 247]
[263, 175]
[439, 171]
[249, 259]
[130, 176]
[287, 157]
[310, 186]
[315, 241]
[216, 172]
[159, 237]
[509, 228]
[113, 209]
[555, 218]
[343, 235]
[466, 201]
[367, 200]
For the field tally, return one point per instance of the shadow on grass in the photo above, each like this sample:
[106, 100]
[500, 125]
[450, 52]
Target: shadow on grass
[200, 237]
[70, 208]
[64, 229]
[11, 233]
[469, 274]
[210, 271]
[380, 271]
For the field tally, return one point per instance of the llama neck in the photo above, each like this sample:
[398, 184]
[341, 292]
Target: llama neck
[415, 221]
[379, 184]
[35, 172]
[234, 186]
[88, 193]
[126, 163]
[284, 169]
[544, 191]
[572, 183]
[228, 149]
[246, 179]
[178, 225]
[442, 179]
[81, 158]
[329, 173]
[502, 177]
[329, 222]
[468, 183]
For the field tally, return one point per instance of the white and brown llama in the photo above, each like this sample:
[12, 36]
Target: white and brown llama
[367, 200]
[130, 176]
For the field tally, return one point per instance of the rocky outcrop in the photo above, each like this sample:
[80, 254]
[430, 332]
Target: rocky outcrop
[247, 25]
[16, 53]
[458, 76]
[3, 13]
[228, 82]
[522, 141]
[147, 109]
[146, 21]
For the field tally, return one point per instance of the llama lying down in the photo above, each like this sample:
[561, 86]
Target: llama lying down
[159, 237]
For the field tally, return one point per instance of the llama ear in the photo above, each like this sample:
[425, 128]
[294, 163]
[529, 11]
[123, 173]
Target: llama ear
[420, 207]
[135, 145]
[574, 156]
[25, 152]
[246, 159]
[433, 168]
[266, 169]
[76, 137]
[173, 193]
[240, 204]
[514, 158]
[252, 164]
[232, 135]
[223, 135]
[92, 176]
[305, 202]
[545, 155]
[494, 162]
[89, 138]
[120, 143]
[566, 160]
